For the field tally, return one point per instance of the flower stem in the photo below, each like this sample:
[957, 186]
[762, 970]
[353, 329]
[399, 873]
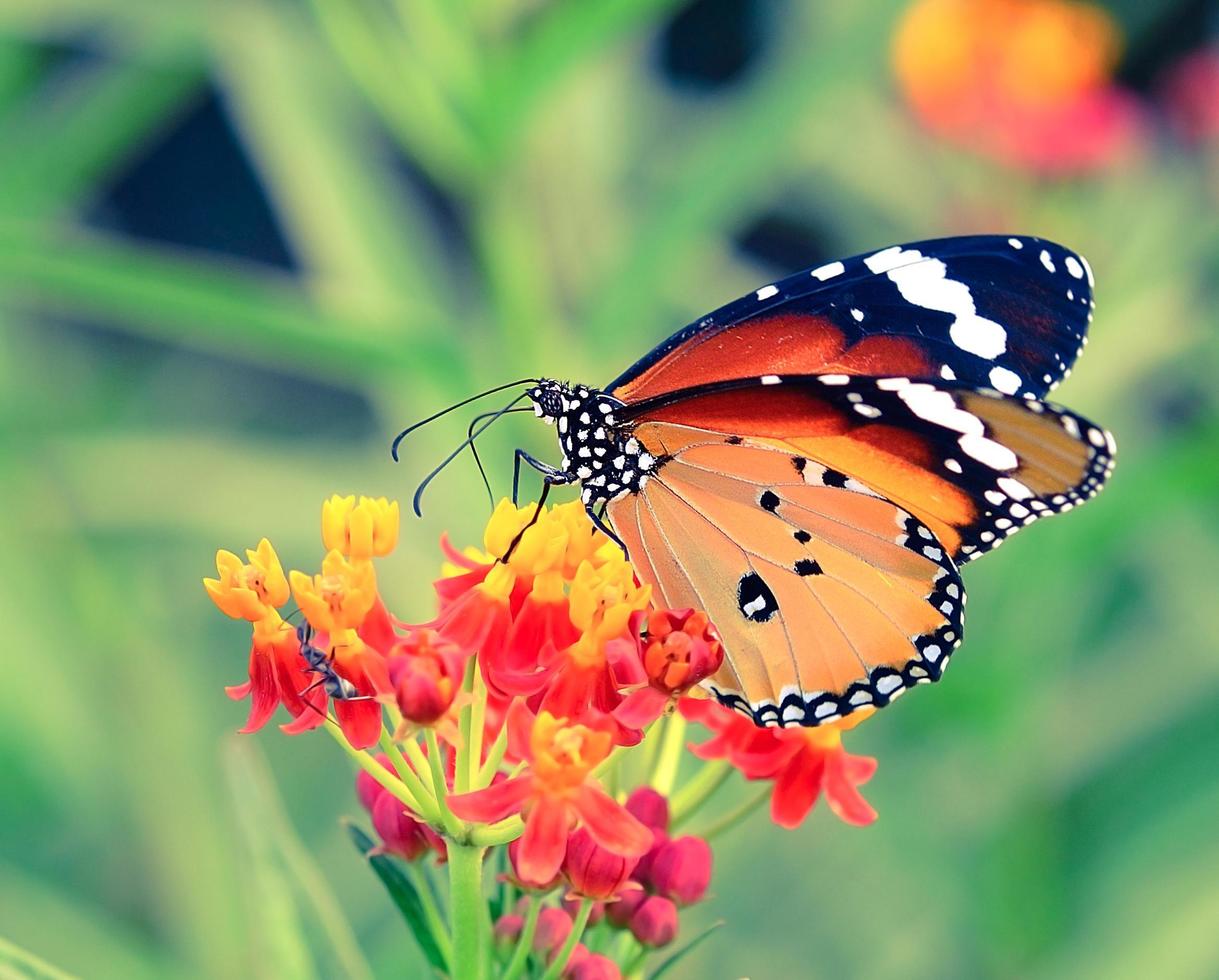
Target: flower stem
[697, 791]
[426, 804]
[734, 817]
[670, 755]
[577, 930]
[495, 757]
[466, 909]
[493, 835]
[463, 768]
[435, 760]
[478, 722]
[378, 772]
[440, 931]
[520, 955]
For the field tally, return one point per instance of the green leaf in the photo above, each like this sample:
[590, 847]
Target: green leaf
[673, 960]
[404, 895]
[17, 962]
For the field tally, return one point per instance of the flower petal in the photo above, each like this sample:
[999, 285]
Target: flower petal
[497, 802]
[544, 843]
[797, 789]
[610, 824]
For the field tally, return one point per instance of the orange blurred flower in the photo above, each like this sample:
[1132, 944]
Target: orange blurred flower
[1026, 81]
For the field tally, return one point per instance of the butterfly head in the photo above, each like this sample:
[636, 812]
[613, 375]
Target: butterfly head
[554, 399]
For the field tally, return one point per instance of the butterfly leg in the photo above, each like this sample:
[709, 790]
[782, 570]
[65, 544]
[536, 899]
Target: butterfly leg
[551, 474]
[604, 528]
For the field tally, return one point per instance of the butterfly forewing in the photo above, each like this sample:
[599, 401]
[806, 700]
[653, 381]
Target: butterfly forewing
[1009, 313]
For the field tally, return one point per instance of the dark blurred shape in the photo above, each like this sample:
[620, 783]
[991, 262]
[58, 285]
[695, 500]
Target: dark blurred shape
[196, 188]
[711, 43]
[786, 243]
[1179, 29]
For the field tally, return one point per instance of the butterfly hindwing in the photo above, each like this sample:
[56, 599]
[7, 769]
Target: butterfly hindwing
[829, 598]
[1004, 312]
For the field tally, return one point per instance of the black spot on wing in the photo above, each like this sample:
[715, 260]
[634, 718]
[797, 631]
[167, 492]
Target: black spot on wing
[832, 478]
[734, 440]
[803, 537]
[807, 566]
[754, 598]
[769, 501]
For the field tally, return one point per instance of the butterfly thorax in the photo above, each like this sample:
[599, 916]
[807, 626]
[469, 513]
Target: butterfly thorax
[599, 451]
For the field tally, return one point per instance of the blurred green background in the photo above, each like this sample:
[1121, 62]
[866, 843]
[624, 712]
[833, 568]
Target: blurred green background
[242, 243]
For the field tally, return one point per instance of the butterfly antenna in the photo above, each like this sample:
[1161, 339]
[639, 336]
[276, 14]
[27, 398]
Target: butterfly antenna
[469, 441]
[393, 449]
[474, 449]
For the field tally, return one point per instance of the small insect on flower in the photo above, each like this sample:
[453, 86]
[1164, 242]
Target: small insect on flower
[322, 663]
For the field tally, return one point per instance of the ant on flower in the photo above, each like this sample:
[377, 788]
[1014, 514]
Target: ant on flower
[322, 663]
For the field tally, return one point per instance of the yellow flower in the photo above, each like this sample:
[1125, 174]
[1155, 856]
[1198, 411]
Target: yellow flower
[249, 590]
[604, 594]
[340, 597]
[361, 531]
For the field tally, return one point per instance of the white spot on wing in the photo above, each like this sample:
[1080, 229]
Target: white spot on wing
[1004, 380]
[1015, 243]
[829, 271]
[1047, 261]
[1074, 267]
[770, 379]
[766, 292]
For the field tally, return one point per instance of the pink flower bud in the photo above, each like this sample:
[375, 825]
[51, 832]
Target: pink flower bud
[655, 922]
[593, 871]
[554, 926]
[507, 930]
[400, 833]
[591, 966]
[681, 869]
[620, 910]
[649, 807]
[426, 673]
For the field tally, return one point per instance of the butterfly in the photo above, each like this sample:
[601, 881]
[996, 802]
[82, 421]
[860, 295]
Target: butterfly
[812, 463]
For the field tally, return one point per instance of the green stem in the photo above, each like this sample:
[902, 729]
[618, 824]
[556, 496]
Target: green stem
[697, 791]
[462, 767]
[670, 755]
[520, 955]
[478, 721]
[577, 930]
[635, 963]
[466, 908]
[440, 931]
[378, 772]
[410, 777]
[435, 761]
[493, 835]
[734, 817]
[495, 758]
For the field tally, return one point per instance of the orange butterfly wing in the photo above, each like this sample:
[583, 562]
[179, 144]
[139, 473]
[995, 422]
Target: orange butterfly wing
[828, 598]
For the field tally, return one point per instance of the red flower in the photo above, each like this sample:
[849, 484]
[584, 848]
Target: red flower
[400, 832]
[803, 762]
[593, 871]
[426, 673]
[680, 649]
[554, 793]
[620, 911]
[277, 676]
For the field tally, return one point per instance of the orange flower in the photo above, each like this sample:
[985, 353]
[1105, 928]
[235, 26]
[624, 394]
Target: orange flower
[555, 793]
[360, 531]
[248, 590]
[340, 597]
[1027, 81]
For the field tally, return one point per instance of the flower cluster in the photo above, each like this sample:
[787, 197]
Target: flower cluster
[1028, 82]
[510, 724]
